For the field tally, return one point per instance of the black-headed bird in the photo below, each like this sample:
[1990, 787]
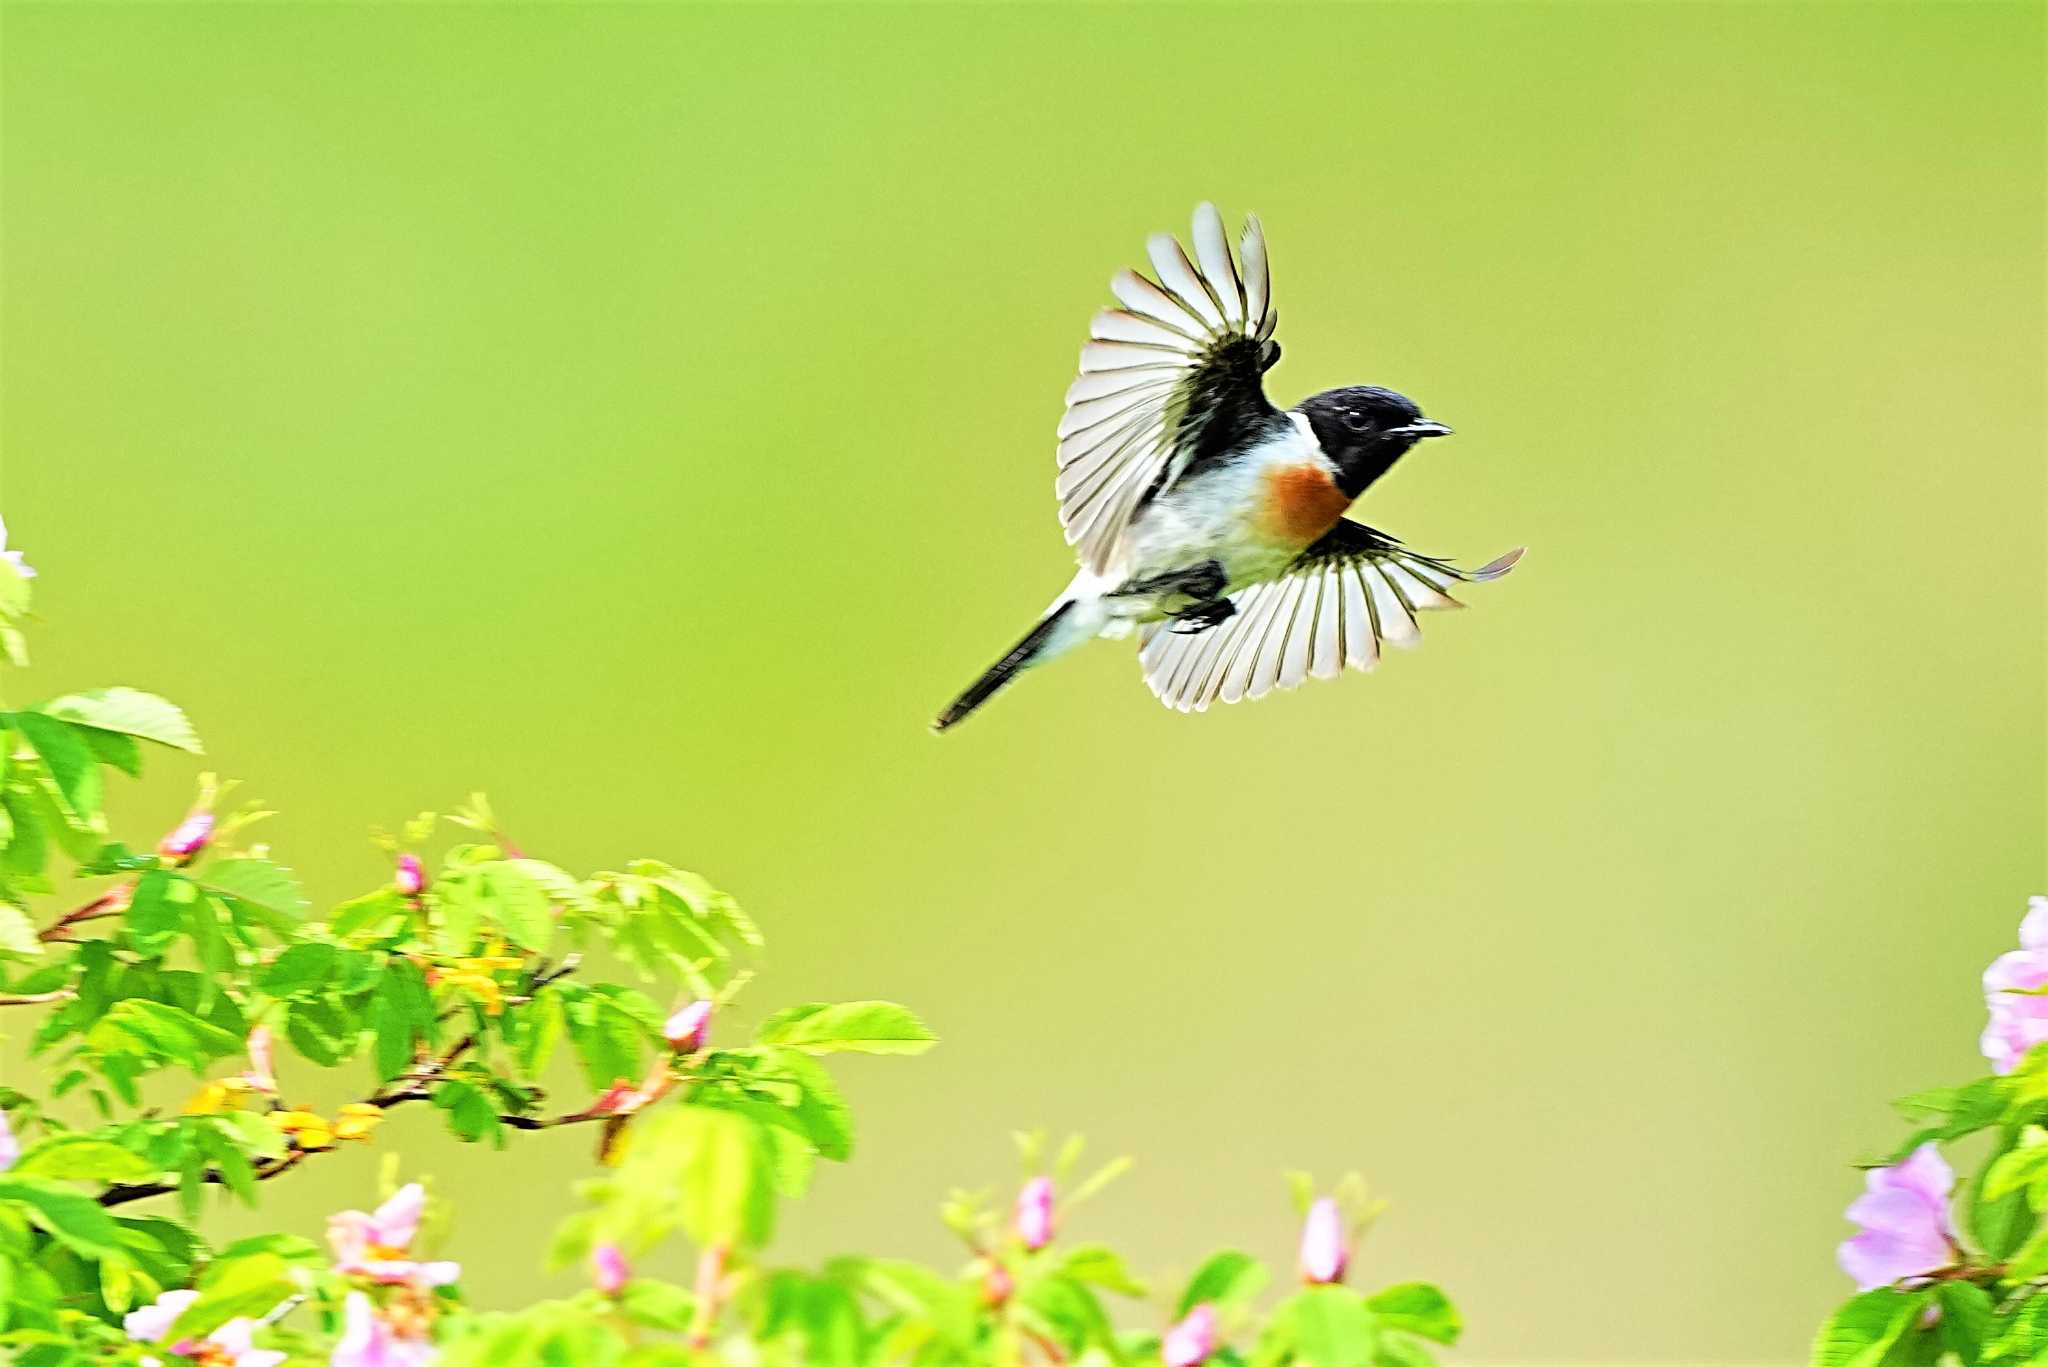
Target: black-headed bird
[1210, 522]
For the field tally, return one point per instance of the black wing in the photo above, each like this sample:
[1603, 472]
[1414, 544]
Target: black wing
[1330, 609]
[1169, 379]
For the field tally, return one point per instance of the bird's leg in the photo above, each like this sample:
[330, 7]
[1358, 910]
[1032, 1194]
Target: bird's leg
[1202, 616]
[1204, 583]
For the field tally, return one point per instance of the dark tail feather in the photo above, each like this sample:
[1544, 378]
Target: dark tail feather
[1002, 671]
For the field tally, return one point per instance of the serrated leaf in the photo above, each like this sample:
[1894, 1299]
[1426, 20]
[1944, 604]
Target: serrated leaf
[129, 712]
[520, 906]
[870, 1027]
[73, 769]
[257, 883]
[1865, 1327]
[1332, 1328]
[71, 1217]
[1227, 1280]
[82, 1158]
[1417, 1308]
[1097, 1265]
[240, 1288]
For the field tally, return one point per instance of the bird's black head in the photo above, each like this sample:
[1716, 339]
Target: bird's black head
[1365, 429]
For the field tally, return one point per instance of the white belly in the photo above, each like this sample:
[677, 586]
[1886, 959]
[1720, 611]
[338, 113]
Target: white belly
[1212, 517]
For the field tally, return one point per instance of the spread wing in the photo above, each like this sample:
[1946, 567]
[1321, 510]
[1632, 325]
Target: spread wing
[1167, 378]
[1333, 607]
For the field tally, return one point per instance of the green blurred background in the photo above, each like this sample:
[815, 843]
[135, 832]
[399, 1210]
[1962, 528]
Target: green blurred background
[645, 414]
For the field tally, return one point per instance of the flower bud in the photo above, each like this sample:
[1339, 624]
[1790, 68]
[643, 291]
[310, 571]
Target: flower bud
[1189, 1343]
[262, 1073]
[688, 1028]
[411, 877]
[1033, 1219]
[609, 1271]
[997, 1285]
[1323, 1254]
[188, 839]
[10, 1147]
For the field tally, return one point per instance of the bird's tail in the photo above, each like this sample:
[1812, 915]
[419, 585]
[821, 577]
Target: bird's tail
[1038, 643]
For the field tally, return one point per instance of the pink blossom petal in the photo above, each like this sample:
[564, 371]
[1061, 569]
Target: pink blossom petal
[1189, 1343]
[153, 1321]
[2034, 925]
[609, 1271]
[1323, 1254]
[1033, 1216]
[394, 1223]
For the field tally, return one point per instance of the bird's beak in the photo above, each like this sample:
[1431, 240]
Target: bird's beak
[1419, 430]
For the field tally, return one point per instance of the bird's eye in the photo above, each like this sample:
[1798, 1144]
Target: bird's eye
[1357, 421]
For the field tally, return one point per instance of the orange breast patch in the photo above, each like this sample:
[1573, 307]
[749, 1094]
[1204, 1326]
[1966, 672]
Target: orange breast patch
[1298, 503]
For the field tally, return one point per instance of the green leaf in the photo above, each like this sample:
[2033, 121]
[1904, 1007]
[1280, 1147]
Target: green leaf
[657, 1305]
[2022, 1334]
[728, 1189]
[911, 1290]
[130, 712]
[541, 1025]
[1067, 1310]
[162, 1032]
[256, 883]
[69, 1216]
[1398, 1350]
[1865, 1327]
[17, 932]
[2000, 1226]
[1417, 1308]
[157, 910]
[1332, 1328]
[82, 1158]
[73, 769]
[240, 1288]
[401, 1014]
[1229, 1279]
[863, 1027]
[1097, 1265]
[300, 967]
[821, 1111]
[2019, 1167]
[521, 906]
[1967, 1319]
[607, 1039]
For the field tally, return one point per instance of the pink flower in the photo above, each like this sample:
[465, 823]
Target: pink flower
[188, 839]
[374, 1245]
[609, 1271]
[1033, 1219]
[227, 1346]
[411, 876]
[2019, 1020]
[10, 1147]
[13, 558]
[1323, 1254]
[262, 1072]
[688, 1028]
[1189, 1343]
[1904, 1214]
[368, 1340]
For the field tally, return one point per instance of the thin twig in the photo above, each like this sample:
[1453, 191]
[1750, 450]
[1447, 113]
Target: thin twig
[62, 994]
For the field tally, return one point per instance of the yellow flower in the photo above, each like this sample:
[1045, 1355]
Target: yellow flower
[478, 984]
[314, 1137]
[211, 1099]
[358, 1121]
[291, 1122]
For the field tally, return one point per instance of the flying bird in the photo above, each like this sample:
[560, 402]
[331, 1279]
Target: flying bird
[1210, 522]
